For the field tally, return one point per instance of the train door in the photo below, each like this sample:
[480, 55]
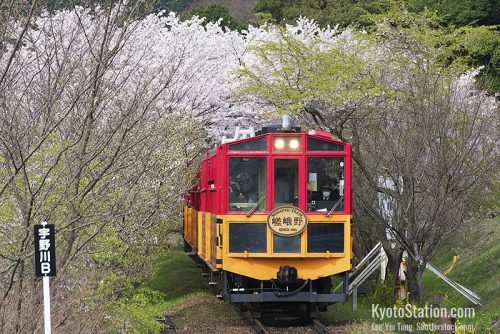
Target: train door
[286, 192]
[286, 182]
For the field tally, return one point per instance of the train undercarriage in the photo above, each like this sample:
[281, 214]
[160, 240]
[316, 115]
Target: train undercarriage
[285, 291]
[234, 288]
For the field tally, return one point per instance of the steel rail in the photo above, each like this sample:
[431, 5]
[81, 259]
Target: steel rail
[260, 327]
[320, 328]
[257, 326]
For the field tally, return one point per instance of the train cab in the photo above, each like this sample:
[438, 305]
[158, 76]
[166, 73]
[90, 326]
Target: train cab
[271, 216]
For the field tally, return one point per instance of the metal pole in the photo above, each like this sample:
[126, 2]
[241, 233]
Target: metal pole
[355, 298]
[46, 304]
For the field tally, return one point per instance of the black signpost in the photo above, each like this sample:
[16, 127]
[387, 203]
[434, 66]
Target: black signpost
[45, 250]
[45, 264]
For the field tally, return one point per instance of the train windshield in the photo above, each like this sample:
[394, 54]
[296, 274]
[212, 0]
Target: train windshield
[247, 184]
[325, 186]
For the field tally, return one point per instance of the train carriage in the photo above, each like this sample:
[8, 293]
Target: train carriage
[271, 217]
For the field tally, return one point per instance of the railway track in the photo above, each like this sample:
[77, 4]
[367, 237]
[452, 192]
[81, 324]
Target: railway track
[259, 327]
[276, 326]
[320, 328]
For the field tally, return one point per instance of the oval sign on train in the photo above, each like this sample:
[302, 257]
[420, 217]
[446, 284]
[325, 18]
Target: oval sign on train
[287, 221]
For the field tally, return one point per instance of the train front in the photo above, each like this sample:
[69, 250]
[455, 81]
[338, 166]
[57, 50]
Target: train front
[274, 218]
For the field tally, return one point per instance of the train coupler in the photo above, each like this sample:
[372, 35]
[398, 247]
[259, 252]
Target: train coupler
[287, 275]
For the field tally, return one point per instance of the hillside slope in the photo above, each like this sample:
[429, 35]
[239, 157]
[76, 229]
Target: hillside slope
[239, 9]
[476, 266]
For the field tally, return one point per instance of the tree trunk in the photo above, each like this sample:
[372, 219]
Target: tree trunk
[394, 256]
[415, 271]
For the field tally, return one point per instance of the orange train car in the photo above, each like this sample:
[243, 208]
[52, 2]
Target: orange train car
[271, 217]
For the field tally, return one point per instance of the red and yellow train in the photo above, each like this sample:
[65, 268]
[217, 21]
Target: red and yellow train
[271, 217]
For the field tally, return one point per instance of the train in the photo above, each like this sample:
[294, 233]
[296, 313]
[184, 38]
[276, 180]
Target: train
[270, 217]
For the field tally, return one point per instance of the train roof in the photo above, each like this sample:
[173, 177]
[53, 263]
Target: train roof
[242, 135]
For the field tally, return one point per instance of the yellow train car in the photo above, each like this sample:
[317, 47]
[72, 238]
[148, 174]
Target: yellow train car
[271, 217]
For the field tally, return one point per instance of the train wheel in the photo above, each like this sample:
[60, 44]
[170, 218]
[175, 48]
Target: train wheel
[309, 309]
[187, 247]
[324, 285]
[243, 307]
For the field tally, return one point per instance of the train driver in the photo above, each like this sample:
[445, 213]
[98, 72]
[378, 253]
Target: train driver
[328, 191]
[325, 193]
[243, 189]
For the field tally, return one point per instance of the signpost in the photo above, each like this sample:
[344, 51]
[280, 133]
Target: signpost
[45, 264]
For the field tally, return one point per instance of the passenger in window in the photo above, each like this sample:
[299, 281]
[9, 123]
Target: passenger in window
[323, 194]
[243, 189]
[335, 191]
[235, 190]
[328, 192]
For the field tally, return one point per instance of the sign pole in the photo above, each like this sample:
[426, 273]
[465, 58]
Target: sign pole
[46, 304]
[45, 264]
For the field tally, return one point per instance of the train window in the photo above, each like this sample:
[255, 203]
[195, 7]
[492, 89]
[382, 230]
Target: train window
[250, 237]
[325, 237]
[325, 187]
[286, 244]
[251, 145]
[321, 145]
[247, 184]
[286, 182]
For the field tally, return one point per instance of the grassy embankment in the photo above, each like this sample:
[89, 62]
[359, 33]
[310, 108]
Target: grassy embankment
[190, 301]
[185, 294]
[476, 266]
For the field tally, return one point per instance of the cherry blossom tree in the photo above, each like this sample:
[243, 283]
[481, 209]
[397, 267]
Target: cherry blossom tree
[422, 129]
[102, 115]
[104, 111]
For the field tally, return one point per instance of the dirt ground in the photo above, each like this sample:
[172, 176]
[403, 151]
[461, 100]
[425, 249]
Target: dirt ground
[205, 315]
[202, 315]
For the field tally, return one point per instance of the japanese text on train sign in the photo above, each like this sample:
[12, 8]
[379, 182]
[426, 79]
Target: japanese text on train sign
[45, 250]
[287, 221]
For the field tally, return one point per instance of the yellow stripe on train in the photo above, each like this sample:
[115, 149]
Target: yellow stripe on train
[247, 245]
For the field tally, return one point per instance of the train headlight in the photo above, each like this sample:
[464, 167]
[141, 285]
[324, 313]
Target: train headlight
[287, 143]
[279, 143]
[294, 143]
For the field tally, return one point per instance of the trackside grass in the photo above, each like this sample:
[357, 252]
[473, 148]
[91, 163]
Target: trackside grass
[189, 300]
[178, 276]
[471, 258]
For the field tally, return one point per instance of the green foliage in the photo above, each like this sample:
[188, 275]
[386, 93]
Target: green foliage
[491, 206]
[461, 13]
[477, 249]
[471, 45]
[458, 49]
[176, 280]
[273, 8]
[305, 77]
[325, 12]
[345, 12]
[214, 13]
[139, 313]
[382, 292]
[474, 47]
